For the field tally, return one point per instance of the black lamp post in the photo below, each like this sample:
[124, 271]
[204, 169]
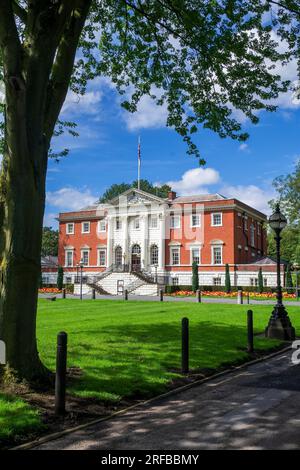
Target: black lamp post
[156, 266]
[279, 326]
[81, 267]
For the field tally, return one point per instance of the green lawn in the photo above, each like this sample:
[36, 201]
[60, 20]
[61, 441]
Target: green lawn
[16, 418]
[133, 348]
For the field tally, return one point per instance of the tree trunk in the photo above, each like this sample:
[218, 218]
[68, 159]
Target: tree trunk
[37, 71]
[22, 209]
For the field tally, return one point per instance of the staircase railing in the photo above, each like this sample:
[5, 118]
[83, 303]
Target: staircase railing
[98, 288]
[134, 285]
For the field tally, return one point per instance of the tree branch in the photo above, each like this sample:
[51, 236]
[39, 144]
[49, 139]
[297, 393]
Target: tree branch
[280, 4]
[9, 39]
[19, 11]
[63, 66]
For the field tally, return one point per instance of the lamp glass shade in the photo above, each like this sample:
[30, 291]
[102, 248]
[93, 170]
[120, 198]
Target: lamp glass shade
[277, 220]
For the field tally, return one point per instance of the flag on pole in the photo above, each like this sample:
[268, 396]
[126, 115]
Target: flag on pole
[139, 162]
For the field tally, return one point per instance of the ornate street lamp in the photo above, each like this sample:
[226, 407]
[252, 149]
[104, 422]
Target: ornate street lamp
[81, 267]
[279, 326]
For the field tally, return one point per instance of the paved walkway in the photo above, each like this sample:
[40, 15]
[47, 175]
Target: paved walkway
[253, 408]
[205, 300]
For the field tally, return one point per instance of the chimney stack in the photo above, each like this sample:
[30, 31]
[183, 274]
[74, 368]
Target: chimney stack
[171, 195]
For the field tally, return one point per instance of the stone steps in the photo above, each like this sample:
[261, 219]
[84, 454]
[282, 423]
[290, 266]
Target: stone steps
[110, 284]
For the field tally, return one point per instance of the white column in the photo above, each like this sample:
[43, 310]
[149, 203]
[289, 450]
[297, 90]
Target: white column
[109, 259]
[125, 239]
[145, 242]
[161, 245]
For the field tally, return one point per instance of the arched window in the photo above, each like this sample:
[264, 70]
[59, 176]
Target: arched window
[118, 255]
[136, 258]
[136, 250]
[154, 254]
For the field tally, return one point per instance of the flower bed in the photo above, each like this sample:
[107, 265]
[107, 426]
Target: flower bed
[264, 295]
[49, 290]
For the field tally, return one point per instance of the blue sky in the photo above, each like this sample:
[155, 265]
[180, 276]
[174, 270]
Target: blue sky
[106, 152]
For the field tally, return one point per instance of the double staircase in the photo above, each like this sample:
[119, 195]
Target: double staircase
[115, 280]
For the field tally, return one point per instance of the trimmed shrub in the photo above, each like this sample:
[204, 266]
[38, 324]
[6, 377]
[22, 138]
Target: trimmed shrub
[260, 281]
[60, 277]
[288, 279]
[227, 279]
[195, 277]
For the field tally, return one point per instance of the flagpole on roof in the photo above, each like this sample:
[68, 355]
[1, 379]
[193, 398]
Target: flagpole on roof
[139, 162]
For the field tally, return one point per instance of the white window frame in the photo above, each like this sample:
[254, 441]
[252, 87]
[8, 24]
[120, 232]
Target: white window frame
[172, 221]
[245, 221]
[82, 227]
[212, 219]
[67, 265]
[175, 281]
[82, 251]
[68, 232]
[150, 254]
[258, 228]
[172, 249]
[217, 281]
[99, 257]
[101, 230]
[254, 281]
[154, 218]
[192, 248]
[213, 255]
[199, 220]
[118, 224]
[252, 235]
[137, 223]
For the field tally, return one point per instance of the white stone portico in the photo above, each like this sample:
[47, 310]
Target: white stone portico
[135, 223]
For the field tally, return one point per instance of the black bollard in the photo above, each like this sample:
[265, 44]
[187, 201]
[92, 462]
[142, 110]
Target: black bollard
[63, 293]
[161, 295]
[198, 295]
[125, 294]
[93, 294]
[61, 371]
[250, 347]
[185, 345]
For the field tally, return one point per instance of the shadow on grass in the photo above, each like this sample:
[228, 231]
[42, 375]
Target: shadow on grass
[139, 360]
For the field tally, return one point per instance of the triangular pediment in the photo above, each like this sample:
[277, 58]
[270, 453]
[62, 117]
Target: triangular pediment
[135, 196]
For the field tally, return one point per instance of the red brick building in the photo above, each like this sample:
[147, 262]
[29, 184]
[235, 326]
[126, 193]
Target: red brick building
[142, 233]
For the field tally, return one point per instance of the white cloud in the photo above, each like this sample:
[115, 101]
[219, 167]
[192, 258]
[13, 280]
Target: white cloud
[148, 115]
[85, 104]
[195, 181]
[252, 195]
[70, 199]
[244, 148]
